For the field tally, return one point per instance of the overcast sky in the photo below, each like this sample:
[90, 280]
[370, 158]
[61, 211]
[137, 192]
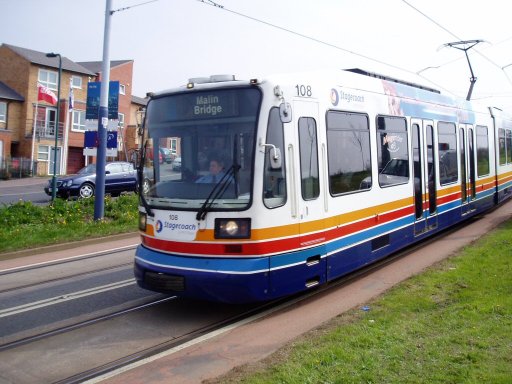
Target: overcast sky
[173, 40]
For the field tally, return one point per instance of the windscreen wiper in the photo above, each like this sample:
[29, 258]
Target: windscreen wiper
[217, 191]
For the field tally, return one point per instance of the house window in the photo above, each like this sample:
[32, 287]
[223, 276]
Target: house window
[78, 121]
[174, 145]
[43, 152]
[120, 116]
[122, 89]
[3, 112]
[48, 79]
[76, 82]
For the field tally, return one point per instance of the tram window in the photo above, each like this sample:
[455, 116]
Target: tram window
[392, 151]
[447, 144]
[274, 180]
[508, 139]
[502, 146]
[348, 151]
[308, 152]
[482, 150]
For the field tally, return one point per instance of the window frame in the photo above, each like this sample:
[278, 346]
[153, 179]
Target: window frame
[45, 77]
[81, 123]
[79, 81]
[310, 190]
[3, 114]
[331, 152]
[479, 160]
[403, 134]
[441, 126]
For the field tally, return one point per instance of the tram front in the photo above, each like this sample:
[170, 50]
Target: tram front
[191, 215]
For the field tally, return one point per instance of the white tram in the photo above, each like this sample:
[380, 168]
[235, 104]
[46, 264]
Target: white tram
[321, 174]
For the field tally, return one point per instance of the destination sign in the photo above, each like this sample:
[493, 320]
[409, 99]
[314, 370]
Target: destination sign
[207, 105]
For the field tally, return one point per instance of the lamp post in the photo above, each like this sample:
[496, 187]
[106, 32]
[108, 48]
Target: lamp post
[54, 178]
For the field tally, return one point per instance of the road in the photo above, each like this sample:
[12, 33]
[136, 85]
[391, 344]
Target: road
[60, 317]
[28, 189]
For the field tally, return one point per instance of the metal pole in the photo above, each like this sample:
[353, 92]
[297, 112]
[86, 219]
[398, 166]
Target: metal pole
[54, 177]
[101, 156]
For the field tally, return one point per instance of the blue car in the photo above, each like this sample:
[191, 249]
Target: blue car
[119, 177]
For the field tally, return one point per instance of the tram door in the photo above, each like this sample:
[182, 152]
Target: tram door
[467, 168]
[309, 190]
[425, 175]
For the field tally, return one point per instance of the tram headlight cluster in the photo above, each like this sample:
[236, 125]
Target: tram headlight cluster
[233, 228]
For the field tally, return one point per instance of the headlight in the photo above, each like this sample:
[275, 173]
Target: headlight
[142, 221]
[68, 183]
[233, 228]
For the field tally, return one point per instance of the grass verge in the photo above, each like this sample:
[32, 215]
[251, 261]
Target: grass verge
[452, 324]
[25, 225]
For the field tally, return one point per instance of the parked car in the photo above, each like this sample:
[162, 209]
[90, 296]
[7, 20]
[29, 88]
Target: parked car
[176, 164]
[167, 155]
[120, 177]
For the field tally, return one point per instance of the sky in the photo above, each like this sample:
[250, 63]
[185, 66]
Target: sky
[171, 41]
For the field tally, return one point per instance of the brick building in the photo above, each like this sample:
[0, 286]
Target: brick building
[29, 129]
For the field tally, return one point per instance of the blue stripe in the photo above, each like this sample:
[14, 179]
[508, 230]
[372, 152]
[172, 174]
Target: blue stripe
[219, 265]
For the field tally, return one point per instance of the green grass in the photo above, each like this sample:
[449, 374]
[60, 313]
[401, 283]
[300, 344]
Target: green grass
[25, 225]
[452, 324]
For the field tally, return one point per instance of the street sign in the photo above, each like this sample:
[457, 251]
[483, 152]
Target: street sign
[93, 100]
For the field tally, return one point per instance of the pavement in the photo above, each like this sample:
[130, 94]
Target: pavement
[24, 181]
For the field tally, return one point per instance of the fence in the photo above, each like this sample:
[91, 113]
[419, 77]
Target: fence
[17, 167]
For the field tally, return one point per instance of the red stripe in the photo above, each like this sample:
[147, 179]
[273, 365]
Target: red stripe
[272, 246]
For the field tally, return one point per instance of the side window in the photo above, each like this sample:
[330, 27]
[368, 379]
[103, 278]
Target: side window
[348, 151]
[114, 168]
[308, 149]
[502, 146]
[274, 179]
[447, 139]
[392, 150]
[509, 145]
[482, 151]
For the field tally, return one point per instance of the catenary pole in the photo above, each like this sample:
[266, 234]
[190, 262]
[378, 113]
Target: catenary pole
[101, 156]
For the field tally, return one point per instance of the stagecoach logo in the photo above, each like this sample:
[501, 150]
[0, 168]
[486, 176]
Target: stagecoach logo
[334, 97]
[176, 226]
[345, 96]
[392, 142]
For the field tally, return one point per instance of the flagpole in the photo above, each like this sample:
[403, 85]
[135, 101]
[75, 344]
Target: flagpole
[34, 129]
[65, 150]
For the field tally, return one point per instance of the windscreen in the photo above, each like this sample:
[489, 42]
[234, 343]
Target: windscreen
[200, 149]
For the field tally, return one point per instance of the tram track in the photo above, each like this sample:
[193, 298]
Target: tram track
[174, 343]
[46, 279]
[81, 324]
[169, 346]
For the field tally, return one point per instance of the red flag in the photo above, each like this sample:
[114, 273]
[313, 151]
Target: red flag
[45, 94]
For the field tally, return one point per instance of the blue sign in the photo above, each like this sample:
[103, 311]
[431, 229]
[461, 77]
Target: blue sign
[91, 139]
[93, 100]
[112, 139]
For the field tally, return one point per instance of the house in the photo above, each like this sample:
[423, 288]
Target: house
[11, 103]
[31, 132]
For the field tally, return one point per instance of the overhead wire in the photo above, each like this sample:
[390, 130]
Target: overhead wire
[459, 38]
[316, 40]
[330, 45]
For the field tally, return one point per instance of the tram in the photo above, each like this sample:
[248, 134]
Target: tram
[287, 182]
